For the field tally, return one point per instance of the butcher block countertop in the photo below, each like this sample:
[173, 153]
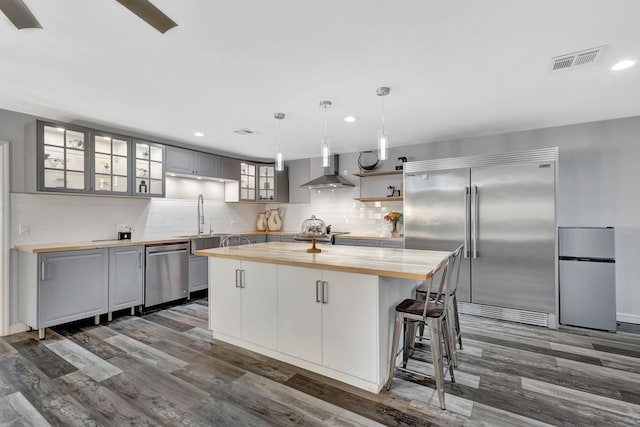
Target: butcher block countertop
[98, 244]
[367, 237]
[400, 263]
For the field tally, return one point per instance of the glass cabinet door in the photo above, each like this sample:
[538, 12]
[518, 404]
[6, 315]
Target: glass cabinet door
[64, 159]
[111, 164]
[266, 182]
[247, 181]
[148, 169]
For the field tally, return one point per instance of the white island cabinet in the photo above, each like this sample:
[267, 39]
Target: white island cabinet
[330, 313]
[245, 303]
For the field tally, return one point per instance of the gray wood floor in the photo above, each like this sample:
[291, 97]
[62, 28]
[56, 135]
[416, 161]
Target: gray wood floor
[164, 368]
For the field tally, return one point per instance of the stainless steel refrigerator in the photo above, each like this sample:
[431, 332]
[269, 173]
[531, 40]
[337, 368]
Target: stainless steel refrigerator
[502, 207]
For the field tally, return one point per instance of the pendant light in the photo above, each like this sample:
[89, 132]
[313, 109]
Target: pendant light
[383, 139]
[279, 156]
[325, 152]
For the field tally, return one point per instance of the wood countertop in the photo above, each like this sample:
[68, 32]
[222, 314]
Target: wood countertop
[99, 244]
[368, 237]
[266, 233]
[401, 263]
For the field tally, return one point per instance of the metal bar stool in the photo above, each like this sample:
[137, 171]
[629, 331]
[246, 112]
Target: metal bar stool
[433, 313]
[454, 325]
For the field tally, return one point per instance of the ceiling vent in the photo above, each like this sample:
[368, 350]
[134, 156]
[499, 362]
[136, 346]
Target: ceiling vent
[577, 59]
[243, 131]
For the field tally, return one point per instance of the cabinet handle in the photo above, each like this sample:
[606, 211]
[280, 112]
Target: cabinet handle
[42, 271]
[318, 282]
[237, 277]
[242, 278]
[325, 292]
[140, 259]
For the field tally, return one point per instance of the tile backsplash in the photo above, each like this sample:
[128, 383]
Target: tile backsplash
[47, 218]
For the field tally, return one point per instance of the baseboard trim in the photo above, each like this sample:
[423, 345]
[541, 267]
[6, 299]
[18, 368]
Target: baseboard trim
[16, 329]
[628, 318]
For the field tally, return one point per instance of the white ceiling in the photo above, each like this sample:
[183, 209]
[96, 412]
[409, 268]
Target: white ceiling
[455, 68]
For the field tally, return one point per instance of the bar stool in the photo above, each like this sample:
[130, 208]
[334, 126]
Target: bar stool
[454, 325]
[433, 313]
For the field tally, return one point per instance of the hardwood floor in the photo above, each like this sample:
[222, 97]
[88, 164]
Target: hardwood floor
[164, 368]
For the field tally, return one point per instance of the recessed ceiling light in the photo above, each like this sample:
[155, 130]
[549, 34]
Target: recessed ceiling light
[198, 134]
[623, 64]
[350, 119]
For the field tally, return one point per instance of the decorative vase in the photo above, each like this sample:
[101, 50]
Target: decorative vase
[262, 221]
[394, 230]
[275, 222]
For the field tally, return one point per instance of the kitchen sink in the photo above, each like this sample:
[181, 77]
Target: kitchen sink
[204, 242]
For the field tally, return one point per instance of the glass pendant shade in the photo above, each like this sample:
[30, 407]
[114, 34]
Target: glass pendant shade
[279, 157]
[383, 139]
[325, 151]
[383, 145]
[279, 161]
[325, 154]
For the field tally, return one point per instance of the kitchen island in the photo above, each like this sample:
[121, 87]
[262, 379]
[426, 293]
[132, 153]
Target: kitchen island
[330, 313]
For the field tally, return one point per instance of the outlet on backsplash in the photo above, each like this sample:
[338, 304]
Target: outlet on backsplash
[24, 229]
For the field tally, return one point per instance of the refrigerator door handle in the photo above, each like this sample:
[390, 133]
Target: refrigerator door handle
[467, 220]
[476, 211]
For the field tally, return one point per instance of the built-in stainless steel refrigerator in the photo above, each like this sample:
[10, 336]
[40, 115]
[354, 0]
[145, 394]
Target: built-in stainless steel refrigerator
[502, 208]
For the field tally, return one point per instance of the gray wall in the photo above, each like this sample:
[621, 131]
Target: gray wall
[598, 174]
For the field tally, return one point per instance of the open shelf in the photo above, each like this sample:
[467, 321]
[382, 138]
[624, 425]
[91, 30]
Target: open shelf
[379, 199]
[381, 173]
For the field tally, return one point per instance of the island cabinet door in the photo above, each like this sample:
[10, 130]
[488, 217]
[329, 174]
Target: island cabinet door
[300, 313]
[259, 304]
[225, 297]
[350, 324]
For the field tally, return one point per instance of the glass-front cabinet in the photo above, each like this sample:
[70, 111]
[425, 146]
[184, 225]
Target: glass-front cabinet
[266, 182]
[64, 159]
[258, 182]
[149, 168]
[74, 159]
[247, 182]
[110, 164]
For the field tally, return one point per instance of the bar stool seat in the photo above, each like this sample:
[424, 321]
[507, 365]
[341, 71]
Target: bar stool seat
[433, 313]
[416, 307]
[423, 292]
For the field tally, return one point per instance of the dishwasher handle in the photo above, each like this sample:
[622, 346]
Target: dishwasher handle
[177, 251]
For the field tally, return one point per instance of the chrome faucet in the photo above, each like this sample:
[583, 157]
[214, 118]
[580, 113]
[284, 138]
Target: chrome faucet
[200, 215]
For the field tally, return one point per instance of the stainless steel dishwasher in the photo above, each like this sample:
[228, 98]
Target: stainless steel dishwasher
[166, 273]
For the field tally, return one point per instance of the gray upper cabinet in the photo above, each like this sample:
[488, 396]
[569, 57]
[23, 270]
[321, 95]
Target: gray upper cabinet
[148, 163]
[111, 158]
[73, 159]
[207, 165]
[126, 277]
[230, 168]
[259, 182]
[180, 160]
[189, 162]
[57, 158]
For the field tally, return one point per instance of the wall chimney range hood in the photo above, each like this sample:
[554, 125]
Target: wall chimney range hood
[330, 179]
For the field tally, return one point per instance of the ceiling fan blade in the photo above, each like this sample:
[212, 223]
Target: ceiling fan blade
[19, 14]
[149, 13]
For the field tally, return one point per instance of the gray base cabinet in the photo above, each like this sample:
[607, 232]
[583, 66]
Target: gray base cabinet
[383, 243]
[126, 277]
[61, 287]
[198, 273]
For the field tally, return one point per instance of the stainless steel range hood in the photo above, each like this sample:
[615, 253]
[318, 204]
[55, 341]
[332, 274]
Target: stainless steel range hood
[330, 179]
